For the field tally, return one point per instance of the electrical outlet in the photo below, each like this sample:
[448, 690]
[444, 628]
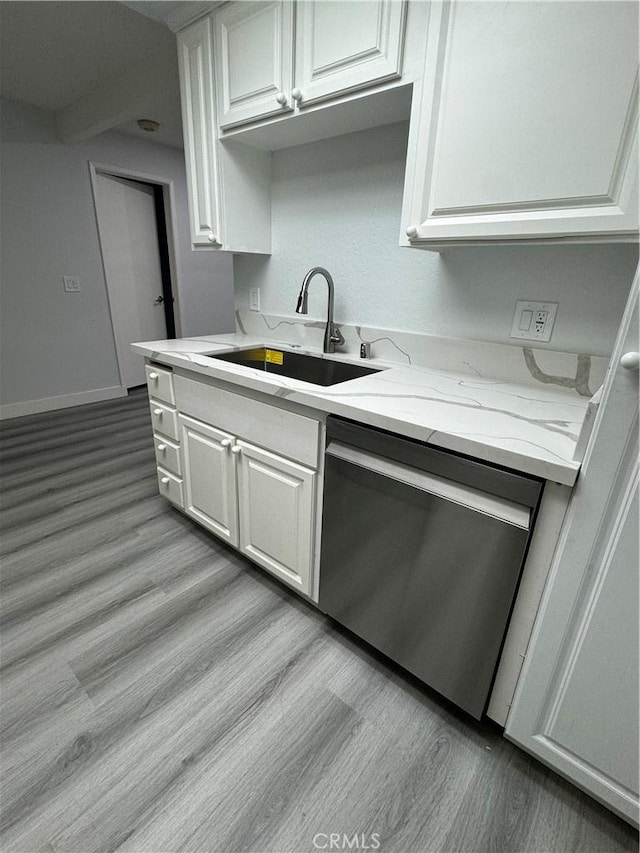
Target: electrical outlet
[533, 321]
[540, 321]
[71, 283]
[254, 299]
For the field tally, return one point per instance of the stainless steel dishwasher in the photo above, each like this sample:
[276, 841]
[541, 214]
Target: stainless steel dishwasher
[421, 554]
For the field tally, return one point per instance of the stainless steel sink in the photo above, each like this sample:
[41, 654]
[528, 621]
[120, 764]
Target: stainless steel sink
[296, 365]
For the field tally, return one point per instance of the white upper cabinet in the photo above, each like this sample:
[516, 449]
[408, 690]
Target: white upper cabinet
[228, 186]
[527, 125]
[198, 118]
[254, 60]
[341, 47]
[268, 64]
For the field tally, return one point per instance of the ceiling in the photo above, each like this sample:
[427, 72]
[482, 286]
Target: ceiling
[97, 64]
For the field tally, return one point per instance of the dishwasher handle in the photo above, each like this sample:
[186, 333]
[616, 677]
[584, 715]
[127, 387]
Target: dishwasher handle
[502, 509]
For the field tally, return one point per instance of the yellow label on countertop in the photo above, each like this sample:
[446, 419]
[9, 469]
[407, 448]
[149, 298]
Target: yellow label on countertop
[273, 356]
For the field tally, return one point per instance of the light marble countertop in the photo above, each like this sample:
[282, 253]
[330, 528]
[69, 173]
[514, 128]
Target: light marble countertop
[529, 428]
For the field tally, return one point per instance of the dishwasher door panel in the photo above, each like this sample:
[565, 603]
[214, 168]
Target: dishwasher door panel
[427, 581]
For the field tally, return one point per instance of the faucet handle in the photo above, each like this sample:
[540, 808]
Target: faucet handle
[336, 336]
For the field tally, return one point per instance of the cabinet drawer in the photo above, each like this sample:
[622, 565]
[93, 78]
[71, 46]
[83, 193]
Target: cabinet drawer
[167, 454]
[170, 487]
[292, 435]
[164, 419]
[160, 384]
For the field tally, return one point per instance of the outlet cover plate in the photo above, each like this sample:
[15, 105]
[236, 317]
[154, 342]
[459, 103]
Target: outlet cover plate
[533, 321]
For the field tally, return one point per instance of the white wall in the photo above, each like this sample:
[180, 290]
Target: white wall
[336, 203]
[54, 343]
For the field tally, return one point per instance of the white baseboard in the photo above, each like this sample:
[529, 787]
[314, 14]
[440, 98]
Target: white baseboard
[50, 404]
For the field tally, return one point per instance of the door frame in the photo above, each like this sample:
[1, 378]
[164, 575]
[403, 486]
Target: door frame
[168, 195]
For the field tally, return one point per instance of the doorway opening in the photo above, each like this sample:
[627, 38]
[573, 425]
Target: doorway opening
[163, 253]
[133, 215]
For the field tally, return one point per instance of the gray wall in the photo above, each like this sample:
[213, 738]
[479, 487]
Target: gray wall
[337, 203]
[53, 343]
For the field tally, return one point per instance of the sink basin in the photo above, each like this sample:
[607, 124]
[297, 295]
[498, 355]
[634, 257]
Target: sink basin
[296, 365]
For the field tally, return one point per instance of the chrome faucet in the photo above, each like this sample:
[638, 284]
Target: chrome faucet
[332, 336]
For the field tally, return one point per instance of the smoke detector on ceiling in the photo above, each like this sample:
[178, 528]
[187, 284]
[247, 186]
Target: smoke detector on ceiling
[148, 124]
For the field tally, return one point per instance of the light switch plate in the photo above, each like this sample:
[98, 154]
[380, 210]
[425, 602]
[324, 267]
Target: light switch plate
[533, 321]
[71, 283]
[254, 299]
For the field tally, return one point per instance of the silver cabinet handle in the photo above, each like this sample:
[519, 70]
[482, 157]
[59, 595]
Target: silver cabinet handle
[236, 449]
[158, 300]
[226, 442]
[164, 480]
[153, 376]
[162, 447]
[157, 413]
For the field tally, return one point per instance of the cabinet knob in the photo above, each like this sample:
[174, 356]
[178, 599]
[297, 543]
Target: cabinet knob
[412, 232]
[296, 94]
[211, 237]
[164, 480]
[162, 447]
[281, 98]
[153, 375]
[157, 413]
[226, 442]
[236, 449]
[630, 360]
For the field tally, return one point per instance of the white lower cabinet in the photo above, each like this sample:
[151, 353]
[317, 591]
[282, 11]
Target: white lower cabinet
[210, 478]
[276, 500]
[255, 499]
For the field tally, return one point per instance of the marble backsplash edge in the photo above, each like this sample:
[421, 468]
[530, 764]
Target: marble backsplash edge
[502, 362]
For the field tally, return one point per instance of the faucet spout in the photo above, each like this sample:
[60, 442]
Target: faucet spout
[332, 336]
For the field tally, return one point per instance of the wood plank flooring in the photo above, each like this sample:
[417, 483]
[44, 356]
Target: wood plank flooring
[160, 693]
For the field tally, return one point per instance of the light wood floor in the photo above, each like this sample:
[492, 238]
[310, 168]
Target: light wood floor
[162, 694]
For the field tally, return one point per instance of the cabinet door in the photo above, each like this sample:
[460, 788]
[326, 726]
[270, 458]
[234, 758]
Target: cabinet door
[276, 499]
[254, 60]
[528, 123]
[576, 704]
[341, 47]
[209, 478]
[198, 118]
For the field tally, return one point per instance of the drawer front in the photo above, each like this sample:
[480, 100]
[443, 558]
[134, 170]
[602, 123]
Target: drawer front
[160, 384]
[164, 419]
[167, 455]
[170, 487]
[294, 436]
